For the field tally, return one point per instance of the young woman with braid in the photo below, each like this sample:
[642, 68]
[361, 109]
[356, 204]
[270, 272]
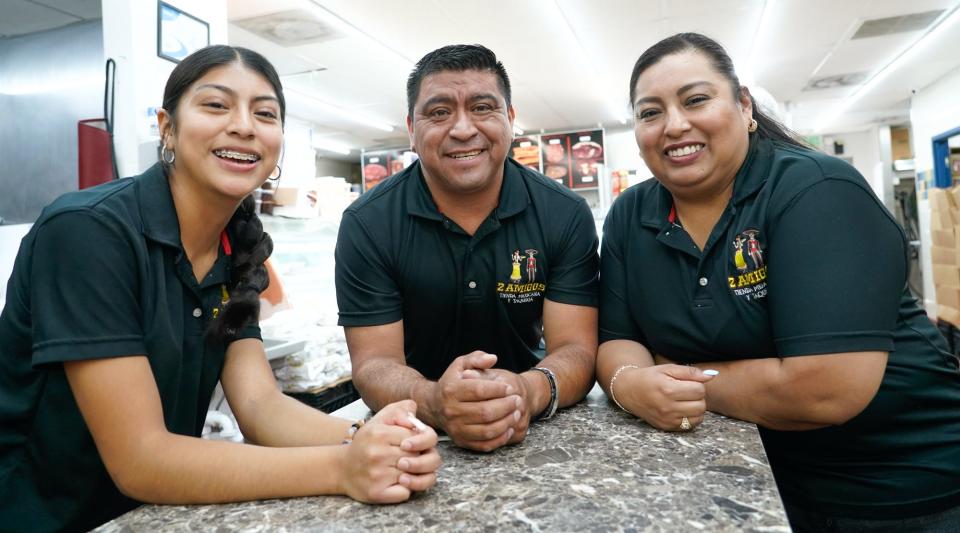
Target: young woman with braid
[129, 301]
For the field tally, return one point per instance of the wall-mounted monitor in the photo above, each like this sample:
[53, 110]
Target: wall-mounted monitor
[179, 34]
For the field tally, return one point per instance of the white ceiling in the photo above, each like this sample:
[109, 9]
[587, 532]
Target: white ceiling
[569, 60]
[19, 17]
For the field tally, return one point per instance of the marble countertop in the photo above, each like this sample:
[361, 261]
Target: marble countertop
[590, 468]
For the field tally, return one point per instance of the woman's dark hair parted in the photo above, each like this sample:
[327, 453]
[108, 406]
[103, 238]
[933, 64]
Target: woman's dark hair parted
[456, 57]
[767, 126]
[252, 246]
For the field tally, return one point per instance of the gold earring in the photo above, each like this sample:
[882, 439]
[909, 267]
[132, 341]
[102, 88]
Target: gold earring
[753, 125]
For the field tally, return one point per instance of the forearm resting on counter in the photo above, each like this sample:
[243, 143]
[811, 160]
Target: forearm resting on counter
[796, 393]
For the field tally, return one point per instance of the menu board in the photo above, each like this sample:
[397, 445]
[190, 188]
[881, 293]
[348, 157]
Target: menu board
[526, 151]
[377, 166]
[573, 159]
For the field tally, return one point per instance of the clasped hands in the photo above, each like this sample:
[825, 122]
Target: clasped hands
[480, 407]
[664, 394]
[390, 457]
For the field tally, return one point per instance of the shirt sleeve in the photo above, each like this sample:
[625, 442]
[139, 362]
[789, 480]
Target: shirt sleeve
[837, 271]
[574, 263]
[367, 295]
[84, 287]
[616, 317]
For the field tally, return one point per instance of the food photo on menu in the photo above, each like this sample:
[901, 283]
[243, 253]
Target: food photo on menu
[573, 159]
[526, 151]
[378, 166]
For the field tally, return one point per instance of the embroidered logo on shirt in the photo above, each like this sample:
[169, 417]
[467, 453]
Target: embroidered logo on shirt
[517, 290]
[750, 272]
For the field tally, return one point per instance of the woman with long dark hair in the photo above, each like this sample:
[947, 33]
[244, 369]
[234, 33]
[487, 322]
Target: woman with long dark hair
[777, 280]
[129, 301]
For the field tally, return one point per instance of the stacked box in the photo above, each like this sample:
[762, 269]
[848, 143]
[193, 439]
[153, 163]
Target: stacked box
[945, 251]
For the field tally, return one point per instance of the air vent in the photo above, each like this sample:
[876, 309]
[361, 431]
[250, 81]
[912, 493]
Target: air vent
[901, 24]
[835, 81]
[291, 28]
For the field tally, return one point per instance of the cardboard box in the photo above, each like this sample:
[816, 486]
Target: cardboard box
[949, 314]
[285, 195]
[944, 256]
[941, 200]
[900, 143]
[946, 275]
[948, 296]
[943, 237]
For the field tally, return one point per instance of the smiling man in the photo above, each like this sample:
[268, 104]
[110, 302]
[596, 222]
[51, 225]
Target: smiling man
[451, 273]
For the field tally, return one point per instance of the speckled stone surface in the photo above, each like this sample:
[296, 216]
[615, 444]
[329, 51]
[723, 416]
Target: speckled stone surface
[590, 468]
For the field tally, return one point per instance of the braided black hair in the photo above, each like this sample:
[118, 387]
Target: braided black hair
[248, 277]
[767, 126]
[251, 246]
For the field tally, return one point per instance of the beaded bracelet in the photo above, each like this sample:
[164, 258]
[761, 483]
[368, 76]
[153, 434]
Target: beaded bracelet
[614, 380]
[353, 431]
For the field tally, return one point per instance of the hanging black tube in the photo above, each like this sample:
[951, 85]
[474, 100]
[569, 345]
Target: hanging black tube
[109, 93]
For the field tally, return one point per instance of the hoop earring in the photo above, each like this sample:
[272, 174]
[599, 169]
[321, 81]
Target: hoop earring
[163, 155]
[753, 125]
[279, 171]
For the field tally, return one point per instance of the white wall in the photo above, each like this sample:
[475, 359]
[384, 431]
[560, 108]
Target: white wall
[863, 147]
[130, 38]
[10, 237]
[623, 153]
[935, 109]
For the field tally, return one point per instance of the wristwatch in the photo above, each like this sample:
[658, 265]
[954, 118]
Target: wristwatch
[554, 399]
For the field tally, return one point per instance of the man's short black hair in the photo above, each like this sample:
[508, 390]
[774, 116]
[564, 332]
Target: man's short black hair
[456, 57]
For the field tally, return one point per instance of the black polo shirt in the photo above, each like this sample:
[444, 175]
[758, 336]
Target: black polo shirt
[102, 273]
[398, 258]
[804, 260]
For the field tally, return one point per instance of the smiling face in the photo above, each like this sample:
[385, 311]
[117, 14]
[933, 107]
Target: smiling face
[691, 131]
[227, 133]
[461, 128]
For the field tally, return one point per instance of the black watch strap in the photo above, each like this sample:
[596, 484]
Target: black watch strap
[554, 399]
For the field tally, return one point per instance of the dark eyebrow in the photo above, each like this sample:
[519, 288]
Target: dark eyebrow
[434, 100]
[484, 96]
[680, 91]
[446, 99]
[231, 92]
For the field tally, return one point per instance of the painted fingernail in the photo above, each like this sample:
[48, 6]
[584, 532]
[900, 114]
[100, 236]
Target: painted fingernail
[516, 416]
[416, 422]
[711, 372]
[403, 464]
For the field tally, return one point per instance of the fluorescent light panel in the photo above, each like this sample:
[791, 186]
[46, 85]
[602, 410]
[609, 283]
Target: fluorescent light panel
[947, 21]
[614, 109]
[341, 112]
[330, 146]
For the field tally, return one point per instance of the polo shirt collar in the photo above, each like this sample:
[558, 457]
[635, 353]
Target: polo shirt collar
[157, 214]
[751, 176]
[514, 197]
[754, 170]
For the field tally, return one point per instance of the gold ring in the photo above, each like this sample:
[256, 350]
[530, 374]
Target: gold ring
[685, 424]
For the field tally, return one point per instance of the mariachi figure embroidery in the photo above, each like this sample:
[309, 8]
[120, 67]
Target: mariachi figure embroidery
[738, 259]
[749, 279]
[531, 265]
[753, 248]
[515, 273]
